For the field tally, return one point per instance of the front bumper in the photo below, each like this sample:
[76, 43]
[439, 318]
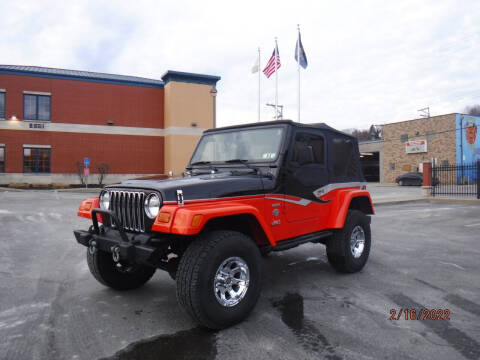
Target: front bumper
[132, 247]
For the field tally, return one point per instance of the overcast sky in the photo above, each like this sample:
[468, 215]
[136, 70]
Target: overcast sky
[370, 62]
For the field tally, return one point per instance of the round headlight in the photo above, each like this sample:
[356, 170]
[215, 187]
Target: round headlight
[152, 205]
[105, 200]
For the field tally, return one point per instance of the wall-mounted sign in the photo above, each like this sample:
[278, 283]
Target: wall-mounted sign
[416, 146]
[36, 126]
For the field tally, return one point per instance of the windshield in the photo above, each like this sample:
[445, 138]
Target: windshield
[254, 145]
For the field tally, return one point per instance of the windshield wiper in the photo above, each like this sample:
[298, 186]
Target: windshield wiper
[213, 169]
[244, 162]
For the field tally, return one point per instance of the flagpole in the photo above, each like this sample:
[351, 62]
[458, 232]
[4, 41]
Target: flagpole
[259, 84]
[298, 69]
[276, 80]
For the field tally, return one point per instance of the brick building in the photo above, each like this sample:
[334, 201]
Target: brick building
[407, 144]
[51, 119]
[448, 139]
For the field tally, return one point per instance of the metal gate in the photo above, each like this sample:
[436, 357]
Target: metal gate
[456, 180]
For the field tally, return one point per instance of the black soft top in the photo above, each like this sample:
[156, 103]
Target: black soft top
[321, 126]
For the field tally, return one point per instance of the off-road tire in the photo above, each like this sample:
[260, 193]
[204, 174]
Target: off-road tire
[338, 246]
[197, 270]
[104, 269]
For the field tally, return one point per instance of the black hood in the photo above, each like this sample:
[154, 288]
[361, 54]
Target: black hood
[209, 186]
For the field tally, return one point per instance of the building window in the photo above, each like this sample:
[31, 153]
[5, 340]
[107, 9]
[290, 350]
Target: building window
[36, 107]
[36, 160]
[392, 166]
[430, 134]
[444, 162]
[2, 105]
[2, 159]
[404, 138]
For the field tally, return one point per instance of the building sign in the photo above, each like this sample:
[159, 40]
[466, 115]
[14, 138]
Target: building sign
[36, 126]
[416, 146]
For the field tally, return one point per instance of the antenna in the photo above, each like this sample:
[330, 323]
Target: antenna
[425, 112]
[279, 112]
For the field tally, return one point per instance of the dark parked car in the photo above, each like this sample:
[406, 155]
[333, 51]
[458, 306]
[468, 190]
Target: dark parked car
[411, 178]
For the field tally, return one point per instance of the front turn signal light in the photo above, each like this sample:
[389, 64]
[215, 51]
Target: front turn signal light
[197, 219]
[163, 217]
[85, 206]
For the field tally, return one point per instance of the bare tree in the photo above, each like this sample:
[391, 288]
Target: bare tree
[102, 172]
[79, 166]
[361, 135]
[473, 110]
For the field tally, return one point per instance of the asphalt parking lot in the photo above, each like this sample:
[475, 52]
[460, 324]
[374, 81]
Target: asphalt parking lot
[424, 255]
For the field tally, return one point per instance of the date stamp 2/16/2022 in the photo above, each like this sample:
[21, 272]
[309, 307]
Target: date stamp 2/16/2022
[419, 314]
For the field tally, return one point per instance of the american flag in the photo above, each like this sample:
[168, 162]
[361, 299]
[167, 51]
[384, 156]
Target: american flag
[270, 68]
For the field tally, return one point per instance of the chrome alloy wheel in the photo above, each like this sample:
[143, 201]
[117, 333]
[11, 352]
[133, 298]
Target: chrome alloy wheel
[231, 281]
[357, 241]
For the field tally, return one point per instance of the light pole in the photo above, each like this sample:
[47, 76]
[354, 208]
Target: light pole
[213, 91]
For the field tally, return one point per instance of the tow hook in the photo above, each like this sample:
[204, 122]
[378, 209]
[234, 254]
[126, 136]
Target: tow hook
[92, 248]
[115, 253]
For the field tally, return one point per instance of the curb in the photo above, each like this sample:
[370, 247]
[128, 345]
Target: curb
[427, 199]
[80, 190]
[454, 200]
[73, 190]
[398, 201]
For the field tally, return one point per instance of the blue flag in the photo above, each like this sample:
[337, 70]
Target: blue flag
[300, 53]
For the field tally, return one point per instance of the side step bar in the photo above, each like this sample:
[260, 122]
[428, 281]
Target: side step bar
[303, 239]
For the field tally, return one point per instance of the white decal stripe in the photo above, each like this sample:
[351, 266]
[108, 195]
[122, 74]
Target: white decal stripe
[302, 202]
[330, 187]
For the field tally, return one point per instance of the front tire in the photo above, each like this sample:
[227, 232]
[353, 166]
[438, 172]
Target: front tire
[348, 249]
[219, 278]
[126, 277]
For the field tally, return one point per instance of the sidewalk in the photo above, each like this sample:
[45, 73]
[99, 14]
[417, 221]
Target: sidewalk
[387, 194]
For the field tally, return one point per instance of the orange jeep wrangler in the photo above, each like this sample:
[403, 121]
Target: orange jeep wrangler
[248, 190]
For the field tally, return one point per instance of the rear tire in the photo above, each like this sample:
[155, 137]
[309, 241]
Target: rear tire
[400, 183]
[348, 249]
[105, 270]
[212, 275]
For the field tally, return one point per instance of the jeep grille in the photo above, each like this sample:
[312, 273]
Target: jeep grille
[128, 206]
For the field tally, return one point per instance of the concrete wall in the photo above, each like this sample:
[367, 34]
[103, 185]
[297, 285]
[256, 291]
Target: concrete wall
[439, 131]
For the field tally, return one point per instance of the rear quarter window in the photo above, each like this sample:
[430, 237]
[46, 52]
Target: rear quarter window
[345, 164]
